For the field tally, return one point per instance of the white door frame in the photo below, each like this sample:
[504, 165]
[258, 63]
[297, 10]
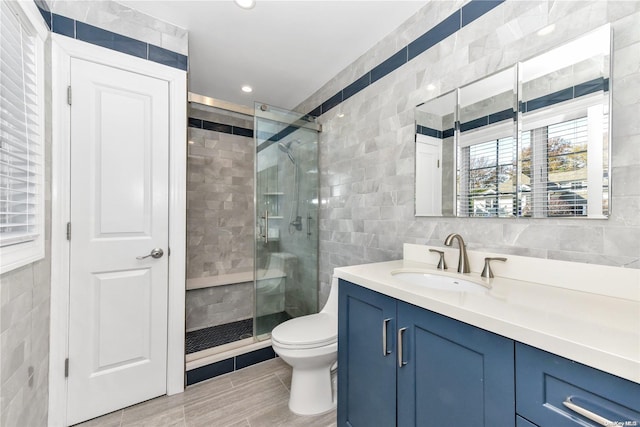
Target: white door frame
[63, 49]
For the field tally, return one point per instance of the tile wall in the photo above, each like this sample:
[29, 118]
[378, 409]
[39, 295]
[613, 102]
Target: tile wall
[219, 214]
[219, 194]
[118, 19]
[218, 305]
[367, 160]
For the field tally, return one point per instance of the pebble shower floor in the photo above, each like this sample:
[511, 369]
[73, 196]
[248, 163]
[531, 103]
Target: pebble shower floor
[218, 335]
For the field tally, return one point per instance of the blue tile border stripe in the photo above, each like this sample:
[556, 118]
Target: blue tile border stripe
[435, 133]
[219, 127]
[582, 89]
[226, 366]
[450, 25]
[586, 88]
[88, 33]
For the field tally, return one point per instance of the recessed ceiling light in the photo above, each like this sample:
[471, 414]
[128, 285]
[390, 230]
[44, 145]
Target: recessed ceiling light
[246, 4]
[341, 115]
[247, 89]
[546, 30]
[431, 87]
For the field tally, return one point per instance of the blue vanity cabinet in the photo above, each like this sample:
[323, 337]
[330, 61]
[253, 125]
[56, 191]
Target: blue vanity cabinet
[366, 376]
[434, 371]
[453, 374]
[554, 392]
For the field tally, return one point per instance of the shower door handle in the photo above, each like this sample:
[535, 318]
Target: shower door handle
[266, 227]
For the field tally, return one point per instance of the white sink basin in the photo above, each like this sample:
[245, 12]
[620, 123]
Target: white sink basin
[439, 282]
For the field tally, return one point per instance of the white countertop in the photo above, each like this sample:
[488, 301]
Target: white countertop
[597, 330]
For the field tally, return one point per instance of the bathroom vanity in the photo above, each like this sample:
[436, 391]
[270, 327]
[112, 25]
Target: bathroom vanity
[509, 353]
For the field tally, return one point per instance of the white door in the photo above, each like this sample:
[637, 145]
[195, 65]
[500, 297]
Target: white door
[428, 176]
[119, 211]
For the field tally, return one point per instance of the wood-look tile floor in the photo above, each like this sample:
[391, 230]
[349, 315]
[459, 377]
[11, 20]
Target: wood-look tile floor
[256, 396]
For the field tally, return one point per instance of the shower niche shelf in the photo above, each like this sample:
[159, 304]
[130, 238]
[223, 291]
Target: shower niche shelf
[272, 203]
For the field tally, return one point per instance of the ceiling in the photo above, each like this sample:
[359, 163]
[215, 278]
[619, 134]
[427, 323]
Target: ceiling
[285, 50]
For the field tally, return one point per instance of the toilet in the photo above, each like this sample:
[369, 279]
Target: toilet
[309, 344]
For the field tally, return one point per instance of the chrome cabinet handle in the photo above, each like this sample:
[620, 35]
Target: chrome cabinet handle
[401, 362]
[385, 325]
[586, 413]
[155, 253]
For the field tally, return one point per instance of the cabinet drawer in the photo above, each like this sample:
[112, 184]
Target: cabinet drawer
[546, 385]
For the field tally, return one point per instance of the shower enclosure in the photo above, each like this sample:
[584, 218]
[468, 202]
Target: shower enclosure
[286, 249]
[251, 224]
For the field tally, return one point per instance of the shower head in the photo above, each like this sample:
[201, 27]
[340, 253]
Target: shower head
[286, 148]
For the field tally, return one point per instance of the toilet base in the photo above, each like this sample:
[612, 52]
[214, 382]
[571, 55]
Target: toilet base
[311, 392]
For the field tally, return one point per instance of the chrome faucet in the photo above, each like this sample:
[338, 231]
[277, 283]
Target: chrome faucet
[463, 260]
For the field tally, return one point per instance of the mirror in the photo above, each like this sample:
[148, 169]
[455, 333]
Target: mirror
[487, 161]
[435, 156]
[564, 130]
[528, 141]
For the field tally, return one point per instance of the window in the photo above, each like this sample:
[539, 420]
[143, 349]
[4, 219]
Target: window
[487, 178]
[22, 36]
[554, 170]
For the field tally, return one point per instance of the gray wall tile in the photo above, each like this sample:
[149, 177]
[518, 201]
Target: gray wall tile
[375, 135]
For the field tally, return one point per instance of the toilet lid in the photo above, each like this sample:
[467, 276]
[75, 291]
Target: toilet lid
[315, 330]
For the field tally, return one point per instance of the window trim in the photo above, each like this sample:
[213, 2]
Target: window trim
[21, 254]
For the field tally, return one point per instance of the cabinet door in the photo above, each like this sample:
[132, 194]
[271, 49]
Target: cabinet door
[455, 374]
[366, 376]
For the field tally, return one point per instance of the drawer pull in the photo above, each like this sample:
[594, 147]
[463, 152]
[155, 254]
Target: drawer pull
[385, 326]
[586, 413]
[401, 361]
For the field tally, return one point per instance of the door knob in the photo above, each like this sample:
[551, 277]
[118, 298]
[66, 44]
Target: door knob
[155, 253]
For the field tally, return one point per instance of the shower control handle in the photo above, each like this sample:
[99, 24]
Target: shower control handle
[155, 253]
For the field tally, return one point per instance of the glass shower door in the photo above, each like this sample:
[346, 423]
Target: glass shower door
[286, 244]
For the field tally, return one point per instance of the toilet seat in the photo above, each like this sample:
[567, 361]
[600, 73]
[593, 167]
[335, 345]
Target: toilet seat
[315, 330]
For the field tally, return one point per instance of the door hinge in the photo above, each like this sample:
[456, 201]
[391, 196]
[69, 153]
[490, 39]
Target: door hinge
[69, 95]
[68, 231]
[438, 163]
[66, 367]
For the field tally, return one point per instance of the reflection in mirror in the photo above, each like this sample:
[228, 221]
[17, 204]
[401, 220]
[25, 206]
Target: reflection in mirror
[486, 157]
[564, 128]
[435, 151]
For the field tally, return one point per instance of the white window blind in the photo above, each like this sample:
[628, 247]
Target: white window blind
[21, 162]
[487, 181]
[554, 162]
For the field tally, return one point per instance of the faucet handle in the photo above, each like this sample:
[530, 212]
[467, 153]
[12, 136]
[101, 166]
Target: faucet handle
[442, 265]
[486, 271]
